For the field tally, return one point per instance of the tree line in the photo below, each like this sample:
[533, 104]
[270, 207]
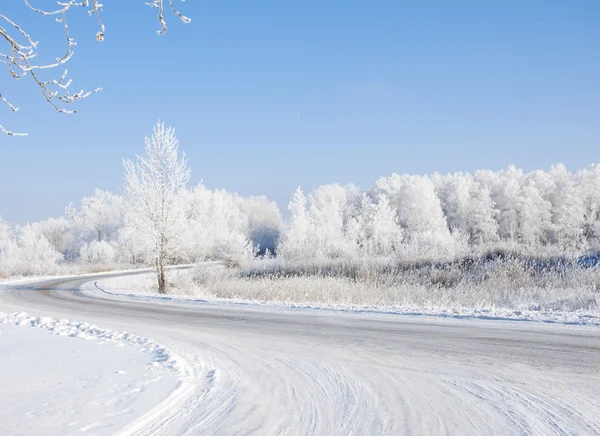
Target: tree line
[160, 220]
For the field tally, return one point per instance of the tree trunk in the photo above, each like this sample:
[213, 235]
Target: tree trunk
[160, 272]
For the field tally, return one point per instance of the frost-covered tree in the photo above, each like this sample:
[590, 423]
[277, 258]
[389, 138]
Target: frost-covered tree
[58, 232]
[327, 210]
[453, 190]
[234, 249]
[97, 252]
[340, 222]
[416, 203]
[264, 222]
[19, 51]
[133, 248]
[481, 227]
[468, 206]
[534, 216]
[99, 218]
[155, 187]
[28, 253]
[505, 190]
[227, 219]
[223, 226]
[215, 218]
[297, 240]
[199, 230]
[568, 208]
[384, 233]
[589, 181]
[535, 209]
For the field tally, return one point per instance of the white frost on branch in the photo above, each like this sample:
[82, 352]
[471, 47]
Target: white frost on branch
[158, 4]
[20, 51]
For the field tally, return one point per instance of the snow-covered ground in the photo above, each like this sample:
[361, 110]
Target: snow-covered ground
[143, 286]
[261, 369]
[70, 378]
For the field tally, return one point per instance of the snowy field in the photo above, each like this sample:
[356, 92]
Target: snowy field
[66, 378]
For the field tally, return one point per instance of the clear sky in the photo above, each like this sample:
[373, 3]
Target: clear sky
[270, 95]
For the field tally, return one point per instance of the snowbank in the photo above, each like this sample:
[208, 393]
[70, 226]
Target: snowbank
[83, 330]
[58, 386]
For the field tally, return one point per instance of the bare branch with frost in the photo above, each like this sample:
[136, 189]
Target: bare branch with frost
[18, 51]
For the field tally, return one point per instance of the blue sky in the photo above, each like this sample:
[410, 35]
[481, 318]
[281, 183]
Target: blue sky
[267, 96]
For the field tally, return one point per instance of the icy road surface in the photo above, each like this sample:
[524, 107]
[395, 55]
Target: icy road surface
[268, 371]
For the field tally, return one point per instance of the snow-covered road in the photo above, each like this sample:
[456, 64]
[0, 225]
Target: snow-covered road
[256, 370]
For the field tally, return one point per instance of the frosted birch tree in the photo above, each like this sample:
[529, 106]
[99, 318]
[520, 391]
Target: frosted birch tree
[568, 208]
[58, 232]
[327, 209]
[27, 253]
[297, 240]
[19, 50]
[155, 188]
[535, 218]
[386, 234]
[99, 218]
[418, 207]
[589, 180]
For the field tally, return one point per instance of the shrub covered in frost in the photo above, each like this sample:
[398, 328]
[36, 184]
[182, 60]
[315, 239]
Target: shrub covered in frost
[234, 250]
[97, 252]
[28, 253]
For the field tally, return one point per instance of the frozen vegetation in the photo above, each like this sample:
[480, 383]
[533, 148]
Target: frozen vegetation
[498, 290]
[490, 239]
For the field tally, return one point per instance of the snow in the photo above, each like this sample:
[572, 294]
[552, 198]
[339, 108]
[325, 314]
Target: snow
[67, 378]
[141, 286]
[252, 369]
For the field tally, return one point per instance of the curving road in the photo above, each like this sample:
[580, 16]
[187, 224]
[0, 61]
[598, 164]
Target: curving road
[262, 371]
